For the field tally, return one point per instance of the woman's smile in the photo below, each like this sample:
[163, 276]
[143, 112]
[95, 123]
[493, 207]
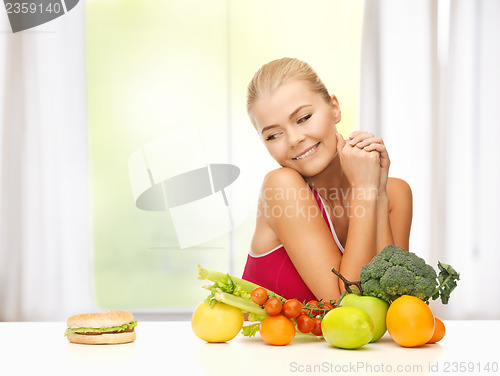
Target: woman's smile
[307, 152]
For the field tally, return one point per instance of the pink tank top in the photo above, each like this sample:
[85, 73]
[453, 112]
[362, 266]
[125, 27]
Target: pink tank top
[275, 271]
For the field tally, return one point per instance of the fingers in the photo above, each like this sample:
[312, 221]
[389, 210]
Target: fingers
[344, 147]
[368, 142]
[359, 135]
[362, 139]
[381, 150]
[374, 146]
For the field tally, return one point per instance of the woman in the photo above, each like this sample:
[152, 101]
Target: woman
[331, 204]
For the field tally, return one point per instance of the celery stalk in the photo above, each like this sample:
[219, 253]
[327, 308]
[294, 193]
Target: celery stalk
[219, 277]
[243, 304]
[215, 276]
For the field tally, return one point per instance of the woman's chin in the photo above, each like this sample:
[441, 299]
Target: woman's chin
[310, 171]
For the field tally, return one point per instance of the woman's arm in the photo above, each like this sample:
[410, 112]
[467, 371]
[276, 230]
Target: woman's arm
[292, 212]
[394, 204]
[361, 236]
[385, 235]
[400, 211]
[362, 170]
[394, 215]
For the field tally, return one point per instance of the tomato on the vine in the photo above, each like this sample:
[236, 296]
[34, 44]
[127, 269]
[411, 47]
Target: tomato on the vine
[259, 295]
[309, 308]
[304, 323]
[326, 305]
[292, 308]
[317, 327]
[273, 306]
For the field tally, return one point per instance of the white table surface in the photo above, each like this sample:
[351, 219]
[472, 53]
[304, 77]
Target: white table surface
[171, 348]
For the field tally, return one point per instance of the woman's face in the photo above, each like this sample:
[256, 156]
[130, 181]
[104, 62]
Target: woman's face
[297, 127]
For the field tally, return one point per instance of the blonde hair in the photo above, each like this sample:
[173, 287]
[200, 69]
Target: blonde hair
[275, 73]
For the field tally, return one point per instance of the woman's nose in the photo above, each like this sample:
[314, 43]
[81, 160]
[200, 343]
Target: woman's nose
[295, 137]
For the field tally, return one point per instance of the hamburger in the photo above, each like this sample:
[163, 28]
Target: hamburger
[102, 328]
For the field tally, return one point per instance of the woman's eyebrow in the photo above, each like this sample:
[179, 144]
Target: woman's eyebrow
[298, 109]
[268, 127]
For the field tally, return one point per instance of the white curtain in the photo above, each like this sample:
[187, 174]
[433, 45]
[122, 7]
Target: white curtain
[45, 246]
[430, 87]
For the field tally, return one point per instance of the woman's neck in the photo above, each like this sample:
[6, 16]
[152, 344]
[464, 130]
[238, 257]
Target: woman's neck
[331, 183]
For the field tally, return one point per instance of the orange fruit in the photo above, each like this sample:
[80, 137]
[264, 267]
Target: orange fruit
[410, 321]
[439, 331]
[277, 330]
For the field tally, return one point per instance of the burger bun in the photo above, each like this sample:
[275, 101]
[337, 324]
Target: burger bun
[102, 339]
[101, 320]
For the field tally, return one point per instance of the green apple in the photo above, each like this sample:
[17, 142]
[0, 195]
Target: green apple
[347, 327]
[375, 307]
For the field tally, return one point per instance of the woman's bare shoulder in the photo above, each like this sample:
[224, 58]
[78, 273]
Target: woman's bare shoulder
[283, 186]
[283, 177]
[278, 186]
[398, 189]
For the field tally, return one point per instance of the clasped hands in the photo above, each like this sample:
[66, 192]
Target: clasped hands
[365, 161]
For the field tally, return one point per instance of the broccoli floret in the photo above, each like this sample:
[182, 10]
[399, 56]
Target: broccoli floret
[388, 252]
[416, 265]
[425, 287]
[398, 257]
[397, 281]
[372, 288]
[428, 272]
[375, 269]
[395, 272]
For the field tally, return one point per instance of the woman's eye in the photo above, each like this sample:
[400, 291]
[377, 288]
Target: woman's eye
[272, 137]
[302, 119]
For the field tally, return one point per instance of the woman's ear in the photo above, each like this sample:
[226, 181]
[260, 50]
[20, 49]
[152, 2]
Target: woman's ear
[336, 109]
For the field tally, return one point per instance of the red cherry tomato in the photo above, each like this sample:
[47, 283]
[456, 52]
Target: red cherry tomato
[259, 295]
[292, 308]
[328, 306]
[304, 324]
[273, 306]
[309, 308]
[317, 327]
